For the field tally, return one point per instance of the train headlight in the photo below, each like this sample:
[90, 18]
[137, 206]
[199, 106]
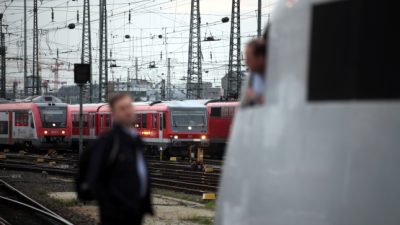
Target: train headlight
[63, 132]
[176, 137]
[54, 124]
[203, 137]
[45, 132]
[189, 128]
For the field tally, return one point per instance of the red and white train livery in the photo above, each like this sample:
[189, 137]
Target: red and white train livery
[172, 127]
[41, 124]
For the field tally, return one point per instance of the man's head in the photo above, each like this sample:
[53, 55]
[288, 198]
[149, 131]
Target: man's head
[256, 55]
[122, 109]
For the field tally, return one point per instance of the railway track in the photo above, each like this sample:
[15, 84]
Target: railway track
[177, 176]
[17, 209]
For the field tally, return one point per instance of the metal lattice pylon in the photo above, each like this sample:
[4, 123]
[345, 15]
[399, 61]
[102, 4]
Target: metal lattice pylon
[2, 60]
[169, 91]
[235, 65]
[86, 56]
[33, 84]
[103, 61]
[194, 84]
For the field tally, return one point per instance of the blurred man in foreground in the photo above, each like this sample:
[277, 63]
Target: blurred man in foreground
[117, 171]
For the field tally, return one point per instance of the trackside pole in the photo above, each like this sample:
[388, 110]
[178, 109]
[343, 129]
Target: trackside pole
[80, 119]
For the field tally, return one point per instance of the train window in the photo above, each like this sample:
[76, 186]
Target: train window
[144, 120]
[227, 111]
[3, 127]
[92, 120]
[31, 120]
[164, 121]
[215, 112]
[108, 120]
[75, 120]
[21, 119]
[351, 52]
[154, 121]
[85, 122]
[138, 123]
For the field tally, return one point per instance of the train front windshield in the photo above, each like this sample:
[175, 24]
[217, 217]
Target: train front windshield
[189, 120]
[53, 117]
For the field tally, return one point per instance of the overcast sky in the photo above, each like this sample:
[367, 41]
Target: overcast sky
[149, 18]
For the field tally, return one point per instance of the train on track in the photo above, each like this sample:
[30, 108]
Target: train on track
[172, 127]
[40, 122]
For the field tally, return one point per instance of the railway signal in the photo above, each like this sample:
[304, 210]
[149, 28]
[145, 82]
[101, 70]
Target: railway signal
[81, 78]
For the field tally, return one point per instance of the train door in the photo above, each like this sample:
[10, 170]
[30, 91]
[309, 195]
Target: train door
[161, 130]
[85, 124]
[10, 127]
[21, 126]
[92, 125]
[4, 128]
[31, 123]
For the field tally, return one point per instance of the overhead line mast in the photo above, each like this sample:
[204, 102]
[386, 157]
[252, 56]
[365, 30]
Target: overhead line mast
[194, 80]
[33, 83]
[86, 55]
[235, 65]
[2, 60]
[103, 61]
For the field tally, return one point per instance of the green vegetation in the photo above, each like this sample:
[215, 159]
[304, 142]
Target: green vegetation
[179, 195]
[210, 205]
[200, 220]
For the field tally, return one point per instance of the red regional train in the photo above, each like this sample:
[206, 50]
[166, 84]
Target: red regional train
[220, 116]
[172, 127]
[38, 123]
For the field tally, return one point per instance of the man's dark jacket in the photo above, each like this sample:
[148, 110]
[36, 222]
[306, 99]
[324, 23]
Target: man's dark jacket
[116, 186]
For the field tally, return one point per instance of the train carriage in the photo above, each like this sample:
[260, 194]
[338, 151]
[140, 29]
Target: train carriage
[90, 119]
[220, 116]
[39, 124]
[171, 127]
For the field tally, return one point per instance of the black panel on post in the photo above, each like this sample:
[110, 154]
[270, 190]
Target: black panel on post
[82, 73]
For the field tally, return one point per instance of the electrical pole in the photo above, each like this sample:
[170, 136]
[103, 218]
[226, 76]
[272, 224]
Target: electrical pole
[128, 83]
[2, 60]
[55, 69]
[259, 18]
[169, 94]
[15, 87]
[86, 55]
[194, 84]
[103, 61]
[136, 69]
[234, 70]
[32, 83]
[25, 53]
[37, 83]
[162, 89]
